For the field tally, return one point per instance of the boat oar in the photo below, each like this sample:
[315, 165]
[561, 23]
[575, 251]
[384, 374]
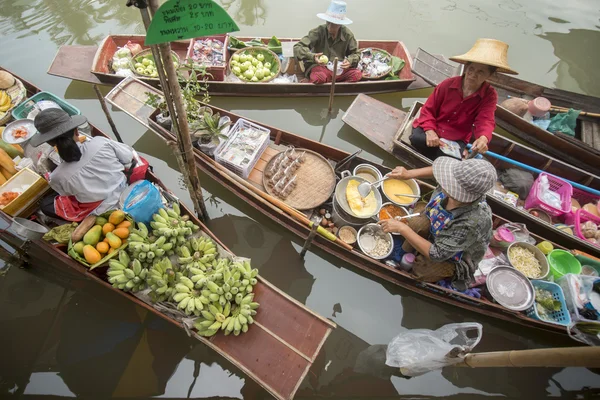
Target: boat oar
[331, 93]
[284, 207]
[537, 171]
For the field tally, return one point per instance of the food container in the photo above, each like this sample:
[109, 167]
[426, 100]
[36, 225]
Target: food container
[28, 229]
[26, 107]
[340, 218]
[538, 255]
[347, 229]
[35, 186]
[562, 262]
[269, 56]
[541, 214]
[578, 290]
[539, 106]
[412, 184]
[510, 288]
[403, 211]
[366, 170]
[217, 71]
[342, 201]
[578, 218]
[8, 133]
[562, 188]
[588, 270]
[366, 237]
[560, 317]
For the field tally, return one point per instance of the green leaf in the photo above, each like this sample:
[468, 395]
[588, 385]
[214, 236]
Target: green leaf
[235, 43]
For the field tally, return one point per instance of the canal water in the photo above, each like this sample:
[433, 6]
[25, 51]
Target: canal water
[62, 336]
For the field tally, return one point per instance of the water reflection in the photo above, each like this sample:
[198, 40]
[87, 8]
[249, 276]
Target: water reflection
[246, 12]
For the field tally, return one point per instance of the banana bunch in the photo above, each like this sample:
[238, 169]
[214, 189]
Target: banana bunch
[197, 253]
[125, 274]
[244, 277]
[169, 223]
[5, 101]
[227, 318]
[161, 279]
[189, 300]
[146, 248]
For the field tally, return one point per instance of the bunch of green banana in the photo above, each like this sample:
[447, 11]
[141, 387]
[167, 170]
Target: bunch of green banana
[245, 275]
[203, 253]
[189, 300]
[161, 279]
[125, 274]
[228, 318]
[148, 248]
[169, 223]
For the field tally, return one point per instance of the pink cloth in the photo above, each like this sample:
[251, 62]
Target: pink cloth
[320, 74]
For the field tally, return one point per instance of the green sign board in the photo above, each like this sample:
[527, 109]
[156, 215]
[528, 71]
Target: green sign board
[187, 19]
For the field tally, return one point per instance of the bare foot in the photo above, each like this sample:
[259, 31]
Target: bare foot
[305, 80]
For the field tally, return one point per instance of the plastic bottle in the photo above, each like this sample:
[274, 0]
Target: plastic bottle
[407, 261]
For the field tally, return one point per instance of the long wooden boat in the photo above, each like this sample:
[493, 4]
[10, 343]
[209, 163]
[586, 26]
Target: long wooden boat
[90, 64]
[381, 123]
[131, 95]
[276, 352]
[582, 150]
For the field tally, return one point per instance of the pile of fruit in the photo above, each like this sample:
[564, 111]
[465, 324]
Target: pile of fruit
[97, 237]
[184, 269]
[254, 65]
[5, 101]
[145, 65]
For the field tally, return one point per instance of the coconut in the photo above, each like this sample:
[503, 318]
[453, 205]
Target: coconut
[592, 209]
[515, 105]
[6, 80]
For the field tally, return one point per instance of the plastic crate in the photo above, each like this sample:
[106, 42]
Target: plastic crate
[557, 185]
[217, 72]
[223, 158]
[578, 218]
[561, 317]
[25, 107]
[571, 284]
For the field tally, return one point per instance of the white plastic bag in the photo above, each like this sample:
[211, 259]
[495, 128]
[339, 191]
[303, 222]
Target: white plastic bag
[422, 350]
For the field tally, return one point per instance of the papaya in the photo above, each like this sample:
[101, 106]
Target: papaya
[10, 150]
[122, 233]
[111, 250]
[78, 247]
[19, 149]
[113, 240]
[82, 228]
[105, 240]
[92, 236]
[7, 162]
[2, 179]
[108, 227]
[102, 247]
[7, 174]
[90, 254]
[124, 224]
[116, 217]
[101, 221]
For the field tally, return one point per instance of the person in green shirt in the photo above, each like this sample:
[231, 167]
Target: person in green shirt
[325, 42]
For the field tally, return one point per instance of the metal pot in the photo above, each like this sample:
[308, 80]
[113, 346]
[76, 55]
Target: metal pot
[342, 201]
[341, 218]
[368, 169]
[28, 229]
[375, 228]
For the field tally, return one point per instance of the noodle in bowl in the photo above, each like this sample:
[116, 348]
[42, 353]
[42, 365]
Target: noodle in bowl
[528, 259]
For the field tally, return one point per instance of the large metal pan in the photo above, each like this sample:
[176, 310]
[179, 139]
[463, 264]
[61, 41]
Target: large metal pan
[340, 195]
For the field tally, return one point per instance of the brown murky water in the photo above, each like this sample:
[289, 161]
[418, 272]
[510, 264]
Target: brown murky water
[63, 336]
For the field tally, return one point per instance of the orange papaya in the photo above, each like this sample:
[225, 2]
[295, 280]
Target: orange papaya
[91, 254]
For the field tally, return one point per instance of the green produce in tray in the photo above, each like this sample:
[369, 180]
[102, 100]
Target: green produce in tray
[546, 304]
[145, 65]
[254, 65]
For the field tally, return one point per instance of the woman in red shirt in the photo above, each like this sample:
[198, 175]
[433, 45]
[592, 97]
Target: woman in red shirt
[462, 108]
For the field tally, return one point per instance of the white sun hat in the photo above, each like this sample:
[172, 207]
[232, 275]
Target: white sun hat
[336, 13]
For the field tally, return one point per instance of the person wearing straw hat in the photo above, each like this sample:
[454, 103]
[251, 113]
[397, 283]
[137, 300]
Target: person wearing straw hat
[325, 42]
[90, 178]
[462, 108]
[452, 233]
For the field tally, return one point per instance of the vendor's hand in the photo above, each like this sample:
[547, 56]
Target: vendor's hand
[345, 64]
[432, 139]
[480, 145]
[400, 173]
[317, 55]
[393, 226]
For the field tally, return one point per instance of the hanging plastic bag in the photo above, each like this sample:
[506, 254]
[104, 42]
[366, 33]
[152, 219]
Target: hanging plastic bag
[142, 202]
[419, 351]
[564, 122]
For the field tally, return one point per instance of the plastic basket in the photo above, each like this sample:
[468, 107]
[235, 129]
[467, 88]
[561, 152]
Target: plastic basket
[557, 185]
[578, 218]
[243, 171]
[217, 72]
[561, 317]
[26, 107]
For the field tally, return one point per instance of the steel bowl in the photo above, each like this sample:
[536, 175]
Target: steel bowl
[369, 169]
[342, 201]
[414, 186]
[538, 255]
[377, 228]
[28, 229]
[510, 288]
[395, 205]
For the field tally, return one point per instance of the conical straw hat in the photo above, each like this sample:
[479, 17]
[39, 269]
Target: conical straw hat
[489, 52]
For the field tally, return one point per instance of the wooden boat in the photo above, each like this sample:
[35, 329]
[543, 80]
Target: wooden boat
[582, 150]
[130, 96]
[382, 123]
[90, 64]
[276, 352]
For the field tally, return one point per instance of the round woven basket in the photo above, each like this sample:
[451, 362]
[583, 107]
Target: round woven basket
[375, 49]
[17, 94]
[275, 66]
[149, 52]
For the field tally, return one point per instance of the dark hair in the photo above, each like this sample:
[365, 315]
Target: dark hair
[67, 148]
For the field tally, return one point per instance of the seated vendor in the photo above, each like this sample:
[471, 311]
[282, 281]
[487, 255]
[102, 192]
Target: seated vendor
[90, 178]
[462, 108]
[332, 40]
[453, 232]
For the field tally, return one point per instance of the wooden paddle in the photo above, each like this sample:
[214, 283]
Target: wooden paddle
[289, 210]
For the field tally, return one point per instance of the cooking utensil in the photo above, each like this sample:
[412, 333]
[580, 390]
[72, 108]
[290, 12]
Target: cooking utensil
[361, 169]
[510, 288]
[376, 232]
[340, 196]
[366, 187]
[28, 229]
[412, 196]
[407, 216]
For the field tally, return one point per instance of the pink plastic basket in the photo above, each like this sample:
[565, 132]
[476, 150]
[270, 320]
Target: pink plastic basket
[583, 198]
[557, 185]
[578, 218]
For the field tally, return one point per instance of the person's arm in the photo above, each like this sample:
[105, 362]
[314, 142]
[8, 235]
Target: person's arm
[485, 122]
[352, 54]
[419, 173]
[303, 50]
[429, 111]
[123, 152]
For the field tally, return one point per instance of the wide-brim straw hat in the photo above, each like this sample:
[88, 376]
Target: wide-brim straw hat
[336, 13]
[489, 52]
[465, 181]
[52, 123]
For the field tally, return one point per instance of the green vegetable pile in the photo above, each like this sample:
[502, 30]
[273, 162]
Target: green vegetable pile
[274, 44]
[254, 65]
[546, 304]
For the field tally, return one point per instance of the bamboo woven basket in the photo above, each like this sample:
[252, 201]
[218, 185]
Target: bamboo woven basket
[275, 66]
[17, 93]
[149, 52]
[381, 75]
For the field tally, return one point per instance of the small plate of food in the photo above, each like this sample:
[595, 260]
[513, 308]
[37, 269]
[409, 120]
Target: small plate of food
[19, 131]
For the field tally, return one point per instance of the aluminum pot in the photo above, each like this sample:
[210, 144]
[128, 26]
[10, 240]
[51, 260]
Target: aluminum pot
[368, 169]
[341, 218]
[28, 229]
[342, 201]
[375, 228]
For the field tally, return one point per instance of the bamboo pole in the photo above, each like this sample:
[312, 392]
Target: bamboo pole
[334, 77]
[588, 357]
[107, 114]
[584, 113]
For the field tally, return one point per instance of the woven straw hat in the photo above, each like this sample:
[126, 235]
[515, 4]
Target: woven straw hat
[489, 52]
[336, 13]
[465, 181]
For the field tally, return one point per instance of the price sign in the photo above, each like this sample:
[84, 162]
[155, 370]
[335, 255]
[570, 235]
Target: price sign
[187, 19]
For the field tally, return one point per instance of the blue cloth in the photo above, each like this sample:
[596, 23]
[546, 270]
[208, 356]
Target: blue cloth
[439, 218]
[397, 252]
[472, 292]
